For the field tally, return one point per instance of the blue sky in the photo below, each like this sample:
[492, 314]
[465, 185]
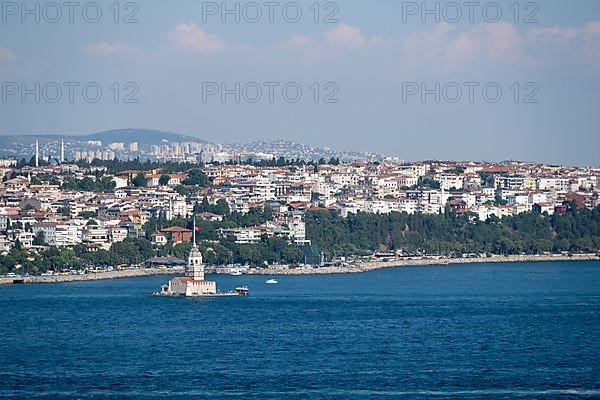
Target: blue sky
[370, 55]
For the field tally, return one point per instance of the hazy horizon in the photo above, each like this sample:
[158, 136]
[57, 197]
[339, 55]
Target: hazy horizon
[315, 146]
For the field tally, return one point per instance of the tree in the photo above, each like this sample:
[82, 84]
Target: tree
[182, 190]
[88, 214]
[139, 180]
[427, 182]
[451, 233]
[40, 239]
[106, 184]
[150, 227]
[197, 177]
[498, 200]
[222, 207]
[164, 180]
[204, 206]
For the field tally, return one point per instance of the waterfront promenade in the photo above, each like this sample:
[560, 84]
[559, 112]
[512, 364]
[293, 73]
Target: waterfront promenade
[349, 269]
[375, 265]
[128, 273]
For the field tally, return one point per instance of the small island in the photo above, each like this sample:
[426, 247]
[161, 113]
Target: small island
[193, 283]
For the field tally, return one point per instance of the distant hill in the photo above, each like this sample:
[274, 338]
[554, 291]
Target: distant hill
[142, 136]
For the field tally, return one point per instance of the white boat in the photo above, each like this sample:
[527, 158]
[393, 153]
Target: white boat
[235, 273]
[271, 281]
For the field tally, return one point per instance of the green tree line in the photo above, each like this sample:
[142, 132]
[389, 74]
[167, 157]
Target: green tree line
[576, 231]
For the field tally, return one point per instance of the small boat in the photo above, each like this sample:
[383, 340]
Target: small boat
[242, 291]
[235, 273]
[271, 281]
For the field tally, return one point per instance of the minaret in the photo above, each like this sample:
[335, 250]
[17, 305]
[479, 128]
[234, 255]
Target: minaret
[195, 267]
[37, 153]
[62, 151]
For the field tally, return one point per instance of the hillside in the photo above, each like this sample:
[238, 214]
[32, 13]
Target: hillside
[142, 136]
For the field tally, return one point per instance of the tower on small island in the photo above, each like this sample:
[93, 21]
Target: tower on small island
[195, 267]
[193, 283]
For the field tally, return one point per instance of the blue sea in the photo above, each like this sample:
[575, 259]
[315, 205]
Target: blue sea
[480, 331]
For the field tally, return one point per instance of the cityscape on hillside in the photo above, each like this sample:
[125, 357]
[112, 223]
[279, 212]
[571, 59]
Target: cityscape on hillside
[256, 203]
[128, 144]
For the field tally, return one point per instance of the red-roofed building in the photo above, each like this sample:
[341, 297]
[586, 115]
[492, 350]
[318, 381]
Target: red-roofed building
[178, 234]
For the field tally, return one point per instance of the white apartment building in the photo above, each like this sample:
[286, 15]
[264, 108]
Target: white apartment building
[95, 234]
[416, 170]
[407, 181]
[48, 229]
[297, 229]
[486, 211]
[242, 235]
[376, 207]
[117, 234]
[537, 197]
[409, 206]
[449, 181]
[120, 181]
[67, 235]
[553, 183]
[26, 238]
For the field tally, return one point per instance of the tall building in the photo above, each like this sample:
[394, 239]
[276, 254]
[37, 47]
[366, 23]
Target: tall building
[117, 146]
[133, 147]
[37, 153]
[62, 151]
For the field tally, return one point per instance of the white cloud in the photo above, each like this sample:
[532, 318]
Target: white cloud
[553, 33]
[568, 43]
[301, 41]
[6, 54]
[346, 36]
[102, 49]
[343, 39]
[498, 43]
[190, 37]
[592, 28]
[591, 46]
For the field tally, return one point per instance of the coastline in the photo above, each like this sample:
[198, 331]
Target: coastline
[351, 269]
[100, 276]
[429, 262]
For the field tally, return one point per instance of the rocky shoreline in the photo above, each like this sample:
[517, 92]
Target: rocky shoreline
[351, 269]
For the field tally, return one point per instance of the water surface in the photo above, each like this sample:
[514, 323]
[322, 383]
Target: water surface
[502, 331]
